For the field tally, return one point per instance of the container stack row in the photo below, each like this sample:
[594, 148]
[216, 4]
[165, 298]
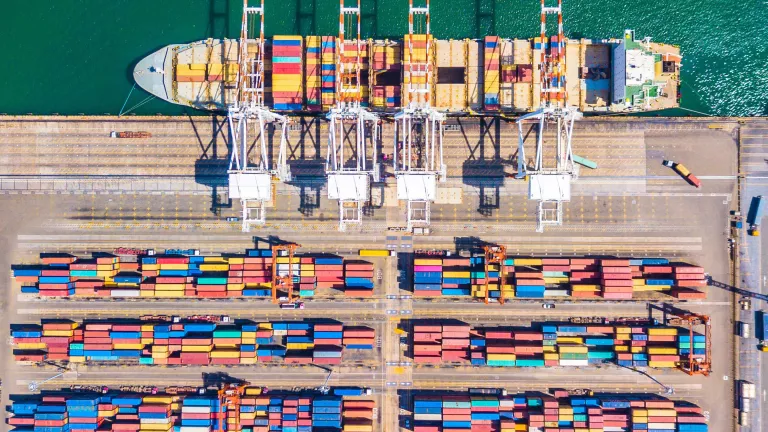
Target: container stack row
[517, 413]
[553, 345]
[385, 65]
[198, 343]
[539, 278]
[417, 68]
[491, 69]
[320, 72]
[437, 343]
[358, 279]
[287, 83]
[257, 412]
[178, 276]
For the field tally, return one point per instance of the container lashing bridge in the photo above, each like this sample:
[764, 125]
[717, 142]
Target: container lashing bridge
[550, 183]
[251, 182]
[349, 175]
[418, 146]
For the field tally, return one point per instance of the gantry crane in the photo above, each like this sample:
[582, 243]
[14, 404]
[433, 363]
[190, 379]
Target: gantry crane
[495, 255]
[550, 183]
[689, 364]
[281, 280]
[229, 402]
[349, 175]
[251, 183]
[418, 147]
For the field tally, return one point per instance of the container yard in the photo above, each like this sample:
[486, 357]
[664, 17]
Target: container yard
[556, 278]
[557, 412]
[188, 342]
[560, 345]
[239, 408]
[249, 275]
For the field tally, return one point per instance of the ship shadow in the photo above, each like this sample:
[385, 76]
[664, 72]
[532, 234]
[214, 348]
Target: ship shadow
[211, 166]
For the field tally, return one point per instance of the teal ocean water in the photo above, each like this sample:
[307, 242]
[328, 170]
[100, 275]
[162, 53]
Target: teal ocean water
[76, 56]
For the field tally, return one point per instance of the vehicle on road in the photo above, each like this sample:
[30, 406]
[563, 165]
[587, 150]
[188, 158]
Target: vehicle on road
[683, 172]
[755, 215]
[548, 305]
[233, 219]
[295, 305]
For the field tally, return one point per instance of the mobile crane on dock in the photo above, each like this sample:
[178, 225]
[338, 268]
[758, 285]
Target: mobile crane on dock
[550, 184]
[252, 183]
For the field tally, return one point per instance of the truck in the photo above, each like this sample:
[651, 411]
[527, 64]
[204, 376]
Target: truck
[295, 305]
[128, 134]
[683, 172]
[756, 208]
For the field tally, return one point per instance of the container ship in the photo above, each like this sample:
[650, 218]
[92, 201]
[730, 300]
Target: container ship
[493, 75]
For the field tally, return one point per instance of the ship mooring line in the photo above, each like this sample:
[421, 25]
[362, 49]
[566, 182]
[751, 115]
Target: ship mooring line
[126, 100]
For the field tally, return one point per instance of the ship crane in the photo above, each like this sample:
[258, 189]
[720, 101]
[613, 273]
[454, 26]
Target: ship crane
[418, 146]
[350, 172]
[284, 280]
[550, 181]
[251, 182]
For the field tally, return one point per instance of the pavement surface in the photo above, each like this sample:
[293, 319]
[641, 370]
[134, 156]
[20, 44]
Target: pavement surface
[66, 187]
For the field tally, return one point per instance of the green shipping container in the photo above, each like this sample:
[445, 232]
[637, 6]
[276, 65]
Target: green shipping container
[501, 363]
[530, 362]
[212, 280]
[227, 333]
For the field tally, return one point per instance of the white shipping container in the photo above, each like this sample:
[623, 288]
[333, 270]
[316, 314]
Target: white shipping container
[663, 426]
[125, 293]
[280, 332]
[556, 293]
[574, 362]
[427, 417]
[196, 409]
[154, 421]
[194, 429]
[507, 403]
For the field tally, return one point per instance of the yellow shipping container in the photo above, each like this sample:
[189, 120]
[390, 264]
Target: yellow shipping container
[585, 288]
[248, 334]
[160, 399]
[661, 412]
[174, 266]
[357, 428]
[638, 349]
[570, 339]
[661, 364]
[374, 252]
[623, 337]
[214, 267]
[428, 261]
[564, 410]
[59, 333]
[549, 348]
[169, 294]
[159, 348]
[77, 359]
[253, 391]
[147, 341]
[527, 261]
[456, 274]
[225, 354]
[248, 341]
[642, 412]
[105, 267]
[196, 348]
[566, 349]
[248, 360]
[236, 260]
[32, 346]
[556, 280]
[551, 356]
[128, 346]
[155, 427]
[265, 326]
[147, 327]
[662, 351]
[299, 346]
[671, 331]
[495, 356]
[621, 348]
[623, 330]
[147, 293]
[159, 355]
[235, 286]
[150, 267]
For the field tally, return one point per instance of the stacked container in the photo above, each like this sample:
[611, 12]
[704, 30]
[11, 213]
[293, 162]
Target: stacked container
[194, 343]
[582, 278]
[358, 338]
[258, 412]
[462, 412]
[427, 277]
[552, 345]
[190, 73]
[287, 88]
[177, 276]
[417, 65]
[491, 58]
[386, 59]
[358, 279]
[313, 73]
